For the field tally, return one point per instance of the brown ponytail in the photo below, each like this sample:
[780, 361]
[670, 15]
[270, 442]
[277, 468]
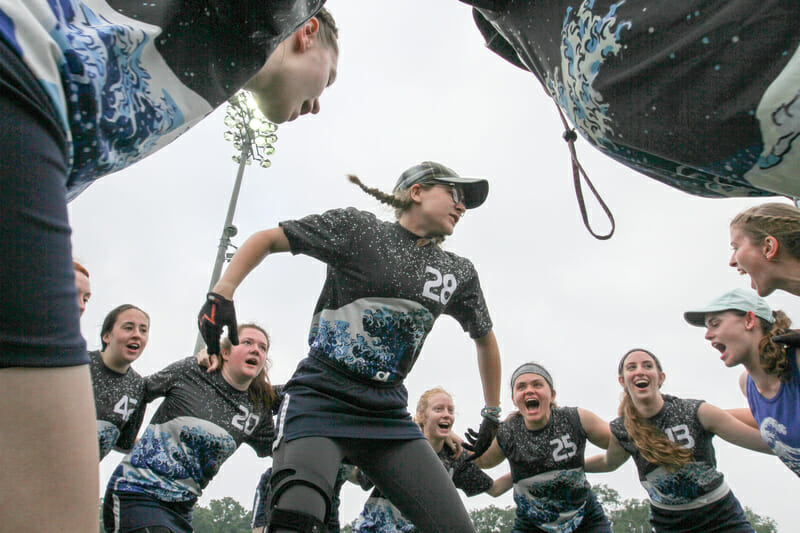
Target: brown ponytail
[771, 355]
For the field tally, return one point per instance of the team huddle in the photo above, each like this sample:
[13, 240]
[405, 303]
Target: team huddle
[88, 88]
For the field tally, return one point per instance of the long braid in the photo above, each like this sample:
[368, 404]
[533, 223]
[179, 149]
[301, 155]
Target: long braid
[389, 199]
[651, 441]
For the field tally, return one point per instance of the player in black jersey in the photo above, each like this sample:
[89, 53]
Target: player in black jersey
[204, 418]
[544, 445]
[435, 416]
[118, 388]
[386, 284]
[670, 441]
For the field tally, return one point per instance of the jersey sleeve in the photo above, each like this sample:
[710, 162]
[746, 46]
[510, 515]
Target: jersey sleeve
[468, 307]
[617, 427]
[127, 437]
[469, 478]
[327, 237]
[505, 437]
[158, 384]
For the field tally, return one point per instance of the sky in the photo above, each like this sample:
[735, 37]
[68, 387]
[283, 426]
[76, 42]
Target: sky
[415, 83]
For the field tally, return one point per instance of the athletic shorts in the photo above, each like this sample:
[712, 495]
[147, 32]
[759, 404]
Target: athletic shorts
[125, 512]
[39, 315]
[725, 515]
[594, 520]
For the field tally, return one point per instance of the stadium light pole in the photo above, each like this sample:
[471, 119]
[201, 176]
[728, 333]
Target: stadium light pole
[253, 136]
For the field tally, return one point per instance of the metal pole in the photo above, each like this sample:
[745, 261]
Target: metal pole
[228, 230]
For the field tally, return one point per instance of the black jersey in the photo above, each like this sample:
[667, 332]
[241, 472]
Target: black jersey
[547, 466]
[201, 422]
[380, 516]
[119, 404]
[698, 94]
[382, 292]
[691, 486]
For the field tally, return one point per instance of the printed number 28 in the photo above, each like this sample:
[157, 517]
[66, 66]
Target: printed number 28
[445, 285]
[564, 448]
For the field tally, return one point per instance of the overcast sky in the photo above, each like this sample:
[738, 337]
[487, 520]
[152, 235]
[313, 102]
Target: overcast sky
[416, 83]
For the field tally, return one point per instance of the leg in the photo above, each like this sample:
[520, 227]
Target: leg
[303, 474]
[47, 420]
[413, 478]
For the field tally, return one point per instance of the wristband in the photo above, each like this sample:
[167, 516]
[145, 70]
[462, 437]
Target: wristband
[492, 413]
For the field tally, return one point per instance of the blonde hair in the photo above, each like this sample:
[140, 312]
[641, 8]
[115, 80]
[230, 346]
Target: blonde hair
[328, 32]
[781, 221]
[651, 442]
[260, 390]
[425, 401]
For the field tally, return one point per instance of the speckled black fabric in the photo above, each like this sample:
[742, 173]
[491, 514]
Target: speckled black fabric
[550, 486]
[119, 404]
[678, 420]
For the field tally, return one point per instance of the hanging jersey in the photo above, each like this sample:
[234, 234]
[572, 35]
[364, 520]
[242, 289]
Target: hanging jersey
[119, 404]
[380, 516]
[382, 292]
[127, 77]
[201, 422]
[700, 95]
[694, 484]
[550, 487]
[779, 417]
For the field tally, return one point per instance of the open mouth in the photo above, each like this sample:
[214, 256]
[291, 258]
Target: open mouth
[531, 403]
[134, 346]
[252, 361]
[641, 384]
[719, 346]
[444, 425]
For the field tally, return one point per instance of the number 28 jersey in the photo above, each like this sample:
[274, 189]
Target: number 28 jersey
[382, 292]
[547, 466]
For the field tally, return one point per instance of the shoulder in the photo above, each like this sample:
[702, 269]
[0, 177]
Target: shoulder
[617, 427]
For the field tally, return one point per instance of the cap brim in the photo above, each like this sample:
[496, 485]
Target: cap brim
[475, 189]
[696, 318]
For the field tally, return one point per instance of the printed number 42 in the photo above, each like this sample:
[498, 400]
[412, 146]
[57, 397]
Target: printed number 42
[445, 285]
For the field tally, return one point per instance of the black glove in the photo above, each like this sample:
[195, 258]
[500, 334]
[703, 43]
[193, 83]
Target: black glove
[791, 339]
[479, 441]
[215, 314]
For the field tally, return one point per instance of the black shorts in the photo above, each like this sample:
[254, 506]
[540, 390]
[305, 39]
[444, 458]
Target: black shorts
[39, 315]
[129, 512]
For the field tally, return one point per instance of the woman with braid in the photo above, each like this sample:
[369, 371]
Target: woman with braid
[386, 284]
[743, 328]
[766, 246]
[670, 441]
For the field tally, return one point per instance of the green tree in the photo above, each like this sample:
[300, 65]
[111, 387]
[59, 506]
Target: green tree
[222, 516]
[626, 516]
[762, 524]
[493, 519]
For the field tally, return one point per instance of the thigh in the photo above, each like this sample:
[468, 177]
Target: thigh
[412, 477]
[320, 457]
[39, 315]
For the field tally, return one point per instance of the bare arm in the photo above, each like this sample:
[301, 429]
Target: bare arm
[489, 367]
[743, 415]
[607, 462]
[252, 252]
[743, 383]
[501, 485]
[596, 428]
[491, 457]
[729, 428]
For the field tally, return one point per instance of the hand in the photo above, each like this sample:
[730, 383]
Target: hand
[455, 443]
[216, 313]
[209, 362]
[791, 339]
[480, 441]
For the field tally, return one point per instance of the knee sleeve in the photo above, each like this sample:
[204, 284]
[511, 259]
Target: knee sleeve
[287, 477]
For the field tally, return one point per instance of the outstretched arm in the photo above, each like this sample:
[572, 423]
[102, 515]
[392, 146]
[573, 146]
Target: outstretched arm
[491, 457]
[729, 428]
[607, 462]
[596, 428]
[489, 367]
[501, 485]
[252, 252]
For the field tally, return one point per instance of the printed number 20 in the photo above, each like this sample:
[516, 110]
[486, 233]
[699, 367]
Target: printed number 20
[564, 448]
[246, 421]
[446, 285]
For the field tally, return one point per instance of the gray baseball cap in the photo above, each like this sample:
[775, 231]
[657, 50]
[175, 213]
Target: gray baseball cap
[475, 189]
[738, 300]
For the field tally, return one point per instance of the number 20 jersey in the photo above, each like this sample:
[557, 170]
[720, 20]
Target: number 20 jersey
[382, 293]
[550, 487]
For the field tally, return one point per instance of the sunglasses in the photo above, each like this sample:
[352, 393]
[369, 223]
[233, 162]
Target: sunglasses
[457, 193]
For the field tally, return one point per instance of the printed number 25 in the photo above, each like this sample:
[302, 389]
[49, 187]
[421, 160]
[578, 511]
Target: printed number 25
[446, 285]
[564, 448]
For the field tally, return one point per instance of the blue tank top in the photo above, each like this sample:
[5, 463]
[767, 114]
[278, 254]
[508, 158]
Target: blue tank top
[778, 418]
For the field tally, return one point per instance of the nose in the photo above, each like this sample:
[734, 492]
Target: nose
[82, 306]
[732, 262]
[310, 106]
[709, 335]
[461, 208]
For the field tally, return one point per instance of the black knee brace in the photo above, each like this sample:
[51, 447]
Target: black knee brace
[286, 477]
